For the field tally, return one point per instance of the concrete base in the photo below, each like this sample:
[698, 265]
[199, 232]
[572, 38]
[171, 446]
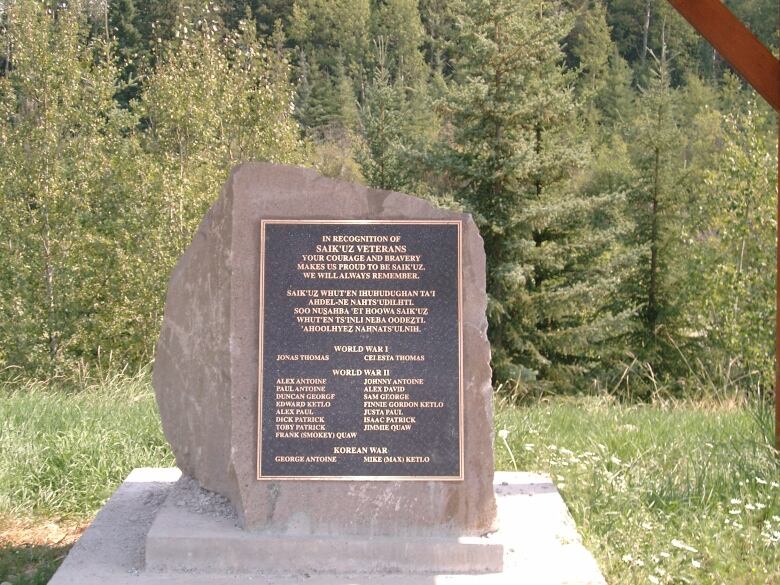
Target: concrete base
[159, 530]
[196, 530]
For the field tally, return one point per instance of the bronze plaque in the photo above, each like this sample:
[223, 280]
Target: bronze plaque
[360, 350]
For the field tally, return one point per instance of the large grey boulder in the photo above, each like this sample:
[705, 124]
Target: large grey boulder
[206, 369]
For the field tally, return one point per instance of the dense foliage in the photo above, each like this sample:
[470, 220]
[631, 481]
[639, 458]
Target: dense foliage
[622, 177]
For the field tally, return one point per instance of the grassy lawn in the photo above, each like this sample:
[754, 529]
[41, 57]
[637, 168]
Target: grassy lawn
[61, 457]
[661, 495]
[682, 495]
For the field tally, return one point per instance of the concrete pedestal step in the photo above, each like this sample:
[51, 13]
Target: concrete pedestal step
[159, 530]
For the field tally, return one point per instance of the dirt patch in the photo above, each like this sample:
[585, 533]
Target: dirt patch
[17, 533]
[31, 550]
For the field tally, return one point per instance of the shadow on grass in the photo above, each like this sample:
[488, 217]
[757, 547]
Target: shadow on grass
[30, 564]
[31, 550]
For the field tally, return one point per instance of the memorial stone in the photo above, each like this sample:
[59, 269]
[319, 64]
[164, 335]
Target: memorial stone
[323, 378]
[323, 361]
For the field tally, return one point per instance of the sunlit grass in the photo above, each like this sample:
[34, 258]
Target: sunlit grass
[683, 494]
[64, 453]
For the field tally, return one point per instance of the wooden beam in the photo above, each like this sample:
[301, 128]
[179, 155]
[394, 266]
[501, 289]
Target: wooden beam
[736, 44]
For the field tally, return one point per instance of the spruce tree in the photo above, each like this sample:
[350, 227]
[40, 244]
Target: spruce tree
[381, 117]
[514, 148]
[131, 48]
[336, 31]
[440, 21]
[657, 207]
[397, 125]
[397, 23]
[268, 12]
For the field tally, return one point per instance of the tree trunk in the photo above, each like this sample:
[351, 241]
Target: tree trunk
[538, 150]
[652, 291]
[51, 303]
[646, 31]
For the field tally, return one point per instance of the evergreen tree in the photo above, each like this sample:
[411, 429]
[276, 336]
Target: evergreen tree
[604, 80]
[397, 125]
[268, 12]
[590, 46]
[335, 30]
[123, 19]
[440, 22]
[331, 41]
[314, 98]
[397, 23]
[655, 204]
[131, 48]
[382, 122]
[514, 148]
[615, 101]
[326, 108]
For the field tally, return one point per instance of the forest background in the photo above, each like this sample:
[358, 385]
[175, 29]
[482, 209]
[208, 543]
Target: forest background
[623, 178]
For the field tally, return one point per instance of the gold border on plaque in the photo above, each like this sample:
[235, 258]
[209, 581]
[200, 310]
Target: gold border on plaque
[460, 476]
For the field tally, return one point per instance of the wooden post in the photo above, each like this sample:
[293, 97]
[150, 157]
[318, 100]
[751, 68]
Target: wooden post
[753, 61]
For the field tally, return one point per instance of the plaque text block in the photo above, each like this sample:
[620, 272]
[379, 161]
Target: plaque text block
[360, 350]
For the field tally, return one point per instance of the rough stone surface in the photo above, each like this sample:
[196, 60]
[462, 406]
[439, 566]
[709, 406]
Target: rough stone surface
[540, 542]
[206, 369]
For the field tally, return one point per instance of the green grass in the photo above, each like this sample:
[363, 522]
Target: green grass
[62, 454]
[661, 495]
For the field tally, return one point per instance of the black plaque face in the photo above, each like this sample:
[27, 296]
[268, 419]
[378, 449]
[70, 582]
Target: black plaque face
[360, 350]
